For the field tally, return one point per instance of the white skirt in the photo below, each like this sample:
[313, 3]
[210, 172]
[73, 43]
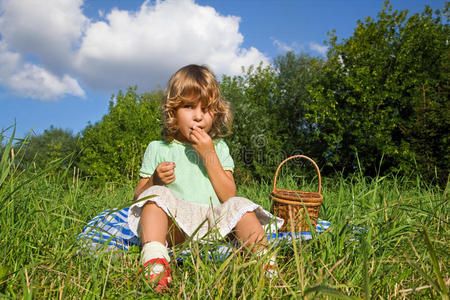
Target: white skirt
[200, 220]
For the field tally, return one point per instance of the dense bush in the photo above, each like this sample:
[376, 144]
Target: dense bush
[383, 94]
[113, 147]
[38, 151]
[270, 122]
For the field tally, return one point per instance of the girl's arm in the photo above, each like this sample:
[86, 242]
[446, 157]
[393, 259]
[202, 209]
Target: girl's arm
[221, 180]
[143, 184]
[164, 174]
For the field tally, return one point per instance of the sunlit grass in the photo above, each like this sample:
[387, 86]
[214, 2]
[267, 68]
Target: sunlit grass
[389, 239]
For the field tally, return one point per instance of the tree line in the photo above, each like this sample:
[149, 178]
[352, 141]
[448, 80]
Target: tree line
[377, 104]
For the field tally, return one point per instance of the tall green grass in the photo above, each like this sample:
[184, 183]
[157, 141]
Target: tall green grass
[401, 250]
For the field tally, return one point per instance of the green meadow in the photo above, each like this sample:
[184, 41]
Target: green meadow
[401, 250]
[376, 109]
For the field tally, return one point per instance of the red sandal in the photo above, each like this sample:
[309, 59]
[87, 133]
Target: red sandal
[271, 271]
[164, 278]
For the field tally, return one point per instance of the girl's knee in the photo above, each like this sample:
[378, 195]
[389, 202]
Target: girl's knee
[250, 223]
[251, 219]
[152, 208]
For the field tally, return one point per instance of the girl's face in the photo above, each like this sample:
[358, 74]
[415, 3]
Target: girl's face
[191, 115]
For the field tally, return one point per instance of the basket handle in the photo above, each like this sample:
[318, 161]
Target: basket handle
[292, 157]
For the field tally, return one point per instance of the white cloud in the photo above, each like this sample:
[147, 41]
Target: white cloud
[146, 46]
[32, 81]
[47, 46]
[35, 82]
[47, 31]
[321, 49]
[298, 48]
[282, 47]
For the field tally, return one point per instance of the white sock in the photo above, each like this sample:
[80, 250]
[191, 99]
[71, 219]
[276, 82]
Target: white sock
[272, 260]
[271, 270]
[152, 250]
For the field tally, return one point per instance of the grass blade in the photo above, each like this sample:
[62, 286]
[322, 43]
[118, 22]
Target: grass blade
[434, 261]
[366, 268]
[325, 290]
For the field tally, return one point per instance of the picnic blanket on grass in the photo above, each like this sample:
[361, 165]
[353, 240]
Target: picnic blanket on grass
[109, 231]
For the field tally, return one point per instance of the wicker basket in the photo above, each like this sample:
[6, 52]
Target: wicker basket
[290, 205]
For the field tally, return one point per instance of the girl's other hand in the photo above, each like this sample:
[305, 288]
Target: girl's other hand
[164, 173]
[202, 142]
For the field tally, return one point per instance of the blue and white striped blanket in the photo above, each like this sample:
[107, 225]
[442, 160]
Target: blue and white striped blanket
[109, 231]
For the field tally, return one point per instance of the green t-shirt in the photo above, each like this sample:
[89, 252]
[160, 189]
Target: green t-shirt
[191, 179]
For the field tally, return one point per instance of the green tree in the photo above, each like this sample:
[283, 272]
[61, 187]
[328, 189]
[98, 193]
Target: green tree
[254, 141]
[270, 122]
[55, 143]
[113, 147]
[294, 74]
[383, 94]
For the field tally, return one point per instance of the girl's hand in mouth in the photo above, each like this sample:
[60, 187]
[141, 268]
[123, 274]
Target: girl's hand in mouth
[201, 141]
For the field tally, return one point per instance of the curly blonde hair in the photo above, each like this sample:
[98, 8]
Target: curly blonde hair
[190, 84]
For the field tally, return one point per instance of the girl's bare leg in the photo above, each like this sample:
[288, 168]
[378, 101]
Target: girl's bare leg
[156, 226]
[250, 232]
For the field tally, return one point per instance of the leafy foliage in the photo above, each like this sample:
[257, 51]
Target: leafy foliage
[383, 95]
[295, 74]
[38, 151]
[253, 135]
[270, 122]
[113, 148]
[378, 103]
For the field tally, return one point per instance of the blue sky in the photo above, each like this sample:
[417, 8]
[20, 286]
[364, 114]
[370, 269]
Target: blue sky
[61, 60]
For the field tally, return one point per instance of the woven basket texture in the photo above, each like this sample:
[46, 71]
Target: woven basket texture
[296, 207]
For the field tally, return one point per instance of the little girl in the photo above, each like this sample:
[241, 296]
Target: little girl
[190, 178]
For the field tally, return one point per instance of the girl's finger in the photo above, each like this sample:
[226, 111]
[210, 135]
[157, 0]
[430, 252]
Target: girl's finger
[167, 174]
[201, 134]
[166, 171]
[166, 166]
[194, 136]
[200, 131]
[169, 179]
